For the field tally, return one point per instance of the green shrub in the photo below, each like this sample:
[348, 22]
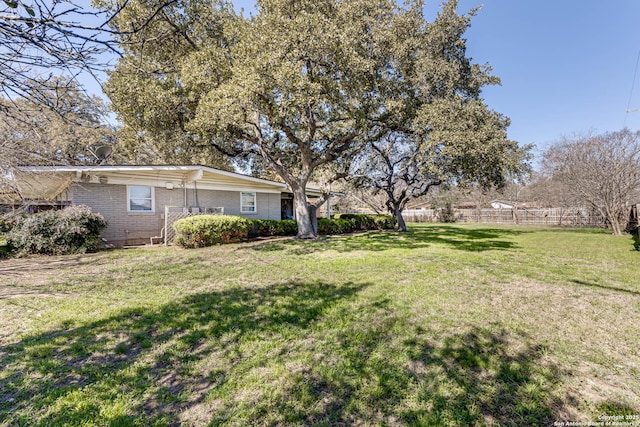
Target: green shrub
[384, 222]
[289, 227]
[334, 226]
[359, 221]
[8, 221]
[368, 221]
[207, 230]
[74, 229]
[339, 224]
[447, 214]
[272, 227]
[5, 248]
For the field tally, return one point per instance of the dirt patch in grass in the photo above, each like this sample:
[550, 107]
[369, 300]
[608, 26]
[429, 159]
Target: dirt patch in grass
[38, 270]
[17, 291]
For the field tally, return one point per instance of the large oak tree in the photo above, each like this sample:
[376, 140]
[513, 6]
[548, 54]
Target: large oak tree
[443, 132]
[304, 84]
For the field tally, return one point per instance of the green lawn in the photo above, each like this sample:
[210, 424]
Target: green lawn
[445, 325]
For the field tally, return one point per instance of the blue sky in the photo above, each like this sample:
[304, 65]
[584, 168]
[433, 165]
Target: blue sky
[567, 66]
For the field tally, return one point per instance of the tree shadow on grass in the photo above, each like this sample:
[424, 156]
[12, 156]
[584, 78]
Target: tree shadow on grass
[454, 237]
[67, 376]
[494, 378]
[607, 288]
[296, 353]
[476, 378]
[474, 239]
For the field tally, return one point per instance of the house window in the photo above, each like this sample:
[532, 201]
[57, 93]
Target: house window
[141, 198]
[247, 202]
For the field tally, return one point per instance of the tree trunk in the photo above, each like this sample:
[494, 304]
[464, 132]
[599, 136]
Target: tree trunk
[303, 211]
[397, 213]
[614, 221]
[616, 225]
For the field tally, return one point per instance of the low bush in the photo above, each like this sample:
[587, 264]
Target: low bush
[5, 248]
[7, 223]
[74, 229]
[384, 222]
[272, 227]
[289, 227]
[446, 213]
[334, 226]
[338, 224]
[206, 230]
[359, 221]
[10, 220]
[368, 221]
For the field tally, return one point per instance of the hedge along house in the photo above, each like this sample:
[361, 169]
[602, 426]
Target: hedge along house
[138, 200]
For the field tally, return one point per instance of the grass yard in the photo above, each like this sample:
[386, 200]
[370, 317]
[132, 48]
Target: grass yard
[445, 325]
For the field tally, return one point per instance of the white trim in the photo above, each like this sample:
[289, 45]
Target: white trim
[194, 172]
[233, 188]
[202, 185]
[255, 202]
[153, 200]
[248, 178]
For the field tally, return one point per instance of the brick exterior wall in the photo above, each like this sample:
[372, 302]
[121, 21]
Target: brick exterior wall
[125, 228]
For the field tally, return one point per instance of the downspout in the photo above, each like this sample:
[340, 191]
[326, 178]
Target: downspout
[184, 187]
[329, 203]
[195, 193]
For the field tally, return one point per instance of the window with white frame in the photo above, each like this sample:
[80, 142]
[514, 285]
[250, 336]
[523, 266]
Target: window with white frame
[247, 202]
[141, 198]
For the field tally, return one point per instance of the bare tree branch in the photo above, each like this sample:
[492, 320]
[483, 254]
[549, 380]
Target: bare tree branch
[42, 39]
[601, 171]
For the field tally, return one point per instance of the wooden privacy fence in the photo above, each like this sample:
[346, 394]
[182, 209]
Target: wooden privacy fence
[549, 216]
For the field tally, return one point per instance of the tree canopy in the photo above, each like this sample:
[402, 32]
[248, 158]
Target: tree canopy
[445, 133]
[151, 89]
[65, 129]
[305, 86]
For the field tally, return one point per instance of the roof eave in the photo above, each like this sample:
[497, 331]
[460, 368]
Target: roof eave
[196, 172]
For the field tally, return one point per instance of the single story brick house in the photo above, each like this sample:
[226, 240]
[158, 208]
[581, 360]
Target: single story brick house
[137, 201]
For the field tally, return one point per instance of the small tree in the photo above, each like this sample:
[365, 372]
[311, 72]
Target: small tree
[394, 167]
[441, 131]
[601, 171]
